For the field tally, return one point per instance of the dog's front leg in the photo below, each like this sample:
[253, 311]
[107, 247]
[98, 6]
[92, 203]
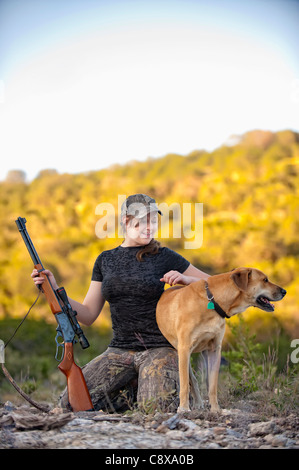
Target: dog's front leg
[214, 358]
[184, 360]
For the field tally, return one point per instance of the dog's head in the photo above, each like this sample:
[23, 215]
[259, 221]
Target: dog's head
[256, 288]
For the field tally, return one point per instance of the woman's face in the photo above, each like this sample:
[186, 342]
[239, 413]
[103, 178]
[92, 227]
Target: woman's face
[142, 230]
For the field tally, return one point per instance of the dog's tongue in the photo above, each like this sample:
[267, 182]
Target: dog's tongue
[268, 302]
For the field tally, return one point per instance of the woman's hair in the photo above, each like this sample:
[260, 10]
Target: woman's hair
[151, 249]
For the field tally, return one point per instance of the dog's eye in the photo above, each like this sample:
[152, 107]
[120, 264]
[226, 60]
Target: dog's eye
[266, 279]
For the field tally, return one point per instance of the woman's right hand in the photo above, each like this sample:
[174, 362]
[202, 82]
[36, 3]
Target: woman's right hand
[38, 279]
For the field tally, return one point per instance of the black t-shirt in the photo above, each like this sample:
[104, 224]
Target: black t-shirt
[133, 288]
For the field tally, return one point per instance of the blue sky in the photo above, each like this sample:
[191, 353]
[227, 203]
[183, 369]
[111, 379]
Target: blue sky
[86, 84]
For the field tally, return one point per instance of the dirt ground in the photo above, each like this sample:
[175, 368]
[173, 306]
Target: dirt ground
[24, 427]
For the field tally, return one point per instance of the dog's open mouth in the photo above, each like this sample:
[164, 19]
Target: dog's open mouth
[264, 303]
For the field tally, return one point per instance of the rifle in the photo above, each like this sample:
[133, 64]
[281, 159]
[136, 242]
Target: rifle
[67, 330]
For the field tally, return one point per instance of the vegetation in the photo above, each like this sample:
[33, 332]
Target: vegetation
[260, 373]
[249, 192]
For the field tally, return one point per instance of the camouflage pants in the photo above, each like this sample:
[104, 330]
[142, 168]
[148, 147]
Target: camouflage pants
[120, 378]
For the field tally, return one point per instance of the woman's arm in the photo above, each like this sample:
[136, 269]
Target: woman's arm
[192, 274]
[195, 274]
[92, 305]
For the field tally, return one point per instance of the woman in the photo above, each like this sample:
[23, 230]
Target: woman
[139, 363]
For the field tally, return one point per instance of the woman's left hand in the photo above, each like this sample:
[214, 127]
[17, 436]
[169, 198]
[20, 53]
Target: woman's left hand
[174, 277]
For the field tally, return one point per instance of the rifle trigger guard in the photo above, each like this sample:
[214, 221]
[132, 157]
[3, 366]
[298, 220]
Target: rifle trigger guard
[59, 345]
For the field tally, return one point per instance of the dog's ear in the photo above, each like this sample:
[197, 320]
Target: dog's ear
[241, 278]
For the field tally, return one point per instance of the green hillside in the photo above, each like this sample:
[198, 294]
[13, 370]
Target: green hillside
[249, 190]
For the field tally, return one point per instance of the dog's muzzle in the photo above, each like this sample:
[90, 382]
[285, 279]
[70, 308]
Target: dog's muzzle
[264, 303]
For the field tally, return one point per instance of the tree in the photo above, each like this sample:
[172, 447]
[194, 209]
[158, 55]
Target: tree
[16, 176]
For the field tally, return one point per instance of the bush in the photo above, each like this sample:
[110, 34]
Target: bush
[255, 370]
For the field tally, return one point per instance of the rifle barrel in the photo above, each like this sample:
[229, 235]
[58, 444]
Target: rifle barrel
[21, 224]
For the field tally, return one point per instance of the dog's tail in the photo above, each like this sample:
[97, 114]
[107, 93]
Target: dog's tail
[194, 390]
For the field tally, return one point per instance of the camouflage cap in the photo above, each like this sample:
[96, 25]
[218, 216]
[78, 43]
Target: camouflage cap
[139, 205]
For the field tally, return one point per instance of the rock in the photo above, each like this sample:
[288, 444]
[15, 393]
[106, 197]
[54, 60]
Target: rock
[172, 422]
[187, 424]
[162, 428]
[175, 435]
[213, 445]
[219, 430]
[276, 441]
[203, 434]
[176, 422]
[234, 434]
[26, 420]
[261, 429]
[26, 428]
[8, 406]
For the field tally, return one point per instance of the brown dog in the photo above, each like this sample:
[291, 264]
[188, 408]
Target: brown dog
[192, 318]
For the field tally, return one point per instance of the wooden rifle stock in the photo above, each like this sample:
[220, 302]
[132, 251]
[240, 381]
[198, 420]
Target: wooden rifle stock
[78, 393]
[68, 328]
